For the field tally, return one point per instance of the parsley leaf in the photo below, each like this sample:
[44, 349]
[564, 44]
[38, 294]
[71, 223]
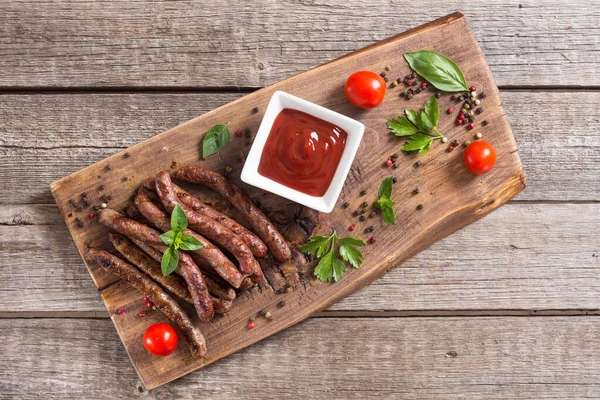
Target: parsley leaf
[385, 202]
[330, 267]
[401, 126]
[419, 126]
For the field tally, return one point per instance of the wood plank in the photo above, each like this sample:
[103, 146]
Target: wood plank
[333, 358]
[513, 259]
[560, 164]
[461, 197]
[210, 44]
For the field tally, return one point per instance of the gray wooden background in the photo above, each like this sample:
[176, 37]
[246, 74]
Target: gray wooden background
[507, 307]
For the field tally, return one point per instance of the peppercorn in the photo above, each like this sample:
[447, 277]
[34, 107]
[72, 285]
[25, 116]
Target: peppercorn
[91, 215]
[450, 110]
[413, 75]
[281, 304]
[149, 304]
[414, 83]
[345, 205]
[142, 313]
[369, 229]
[467, 142]
[394, 180]
[471, 118]
[409, 82]
[471, 126]
[453, 97]
[288, 289]
[444, 139]
[409, 96]
[437, 95]
[382, 74]
[394, 84]
[471, 113]
[478, 135]
[420, 207]
[362, 218]
[363, 192]
[251, 325]
[454, 143]
[103, 205]
[362, 211]
[372, 240]
[477, 102]
[479, 110]
[416, 191]
[473, 88]
[78, 222]
[254, 110]
[389, 163]
[352, 227]
[364, 204]
[385, 79]
[356, 213]
[418, 164]
[466, 106]
[228, 169]
[239, 133]
[485, 122]
[387, 68]
[482, 95]
[459, 121]
[423, 85]
[394, 158]
[100, 188]
[96, 208]
[267, 315]
[395, 166]
[120, 310]
[372, 214]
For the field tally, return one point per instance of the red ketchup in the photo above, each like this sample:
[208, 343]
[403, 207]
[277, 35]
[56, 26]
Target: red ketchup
[302, 152]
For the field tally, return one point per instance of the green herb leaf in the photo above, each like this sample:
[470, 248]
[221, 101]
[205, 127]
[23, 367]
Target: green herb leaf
[178, 219]
[438, 70]
[414, 117]
[419, 141]
[351, 255]
[190, 243]
[426, 148]
[320, 244]
[168, 238]
[330, 268]
[388, 216]
[217, 137]
[350, 241]
[401, 126]
[169, 261]
[432, 109]
[338, 268]
[385, 189]
[426, 122]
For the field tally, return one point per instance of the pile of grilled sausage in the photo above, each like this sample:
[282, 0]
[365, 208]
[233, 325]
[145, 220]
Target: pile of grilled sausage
[205, 278]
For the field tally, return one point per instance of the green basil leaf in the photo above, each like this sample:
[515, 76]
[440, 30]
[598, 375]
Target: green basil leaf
[431, 109]
[178, 219]
[217, 137]
[385, 189]
[438, 70]
[190, 243]
[168, 237]
[401, 126]
[351, 255]
[414, 117]
[169, 261]
[388, 215]
[417, 142]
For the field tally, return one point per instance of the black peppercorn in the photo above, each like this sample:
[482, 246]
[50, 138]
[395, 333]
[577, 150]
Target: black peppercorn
[355, 213]
[362, 218]
[385, 79]
[485, 123]
[382, 74]
[402, 94]
[372, 214]
[418, 90]
[363, 192]
[364, 204]
[345, 205]
[479, 110]
[413, 75]
[395, 180]
[254, 110]
[453, 97]
[409, 96]
[420, 207]
[438, 95]
[416, 191]
[362, 211]
[482, 95]
[417, 164]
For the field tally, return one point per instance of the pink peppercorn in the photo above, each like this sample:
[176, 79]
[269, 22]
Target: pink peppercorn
[149, 304]
[251, 325]
[450, 149]
[450, 110]
[459, 122]
[239, 133]
[372, 240]
[388, 163]
[409, 82]
[461, 116]
[142, 313]
[91, 215]
[473, 88]
[471, 126]
[352, 227]
[120, 310]
[423, 85]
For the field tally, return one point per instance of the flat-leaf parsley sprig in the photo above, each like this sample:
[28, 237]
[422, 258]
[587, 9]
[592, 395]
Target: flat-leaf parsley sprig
[176, 240]
[330, 267]
[419, 126]
[385, 203]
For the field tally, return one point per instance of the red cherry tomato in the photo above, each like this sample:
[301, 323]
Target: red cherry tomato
[365, 89]
[160, 339]
[479, 157]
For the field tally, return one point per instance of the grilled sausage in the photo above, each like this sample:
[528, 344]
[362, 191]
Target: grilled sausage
[257, 246]
[137, 257]
[206, 226]
[259, 221]
[155, 294]
[186, 267]
[215, 287]
[211, 254]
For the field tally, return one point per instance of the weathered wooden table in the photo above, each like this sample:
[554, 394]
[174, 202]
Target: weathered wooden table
[507, 307]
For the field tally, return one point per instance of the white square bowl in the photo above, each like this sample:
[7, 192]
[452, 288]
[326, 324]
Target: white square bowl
[278, 102]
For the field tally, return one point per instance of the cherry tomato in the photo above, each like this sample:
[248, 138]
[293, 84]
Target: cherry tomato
[479, 157]
[160, 339]
[365, 89]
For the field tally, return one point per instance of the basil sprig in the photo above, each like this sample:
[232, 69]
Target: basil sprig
[217, 137]
[438, 70]
[176, 239]
[385, 202]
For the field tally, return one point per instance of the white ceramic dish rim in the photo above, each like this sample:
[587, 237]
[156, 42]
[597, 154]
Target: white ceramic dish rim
[278, 102]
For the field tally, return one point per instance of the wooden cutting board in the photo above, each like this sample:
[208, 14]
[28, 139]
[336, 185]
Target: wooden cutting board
[451, 197]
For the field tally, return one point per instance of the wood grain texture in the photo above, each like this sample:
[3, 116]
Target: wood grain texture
[252, 44]
[323, 358]
[44, 137]
[521, 257]
[462, 198]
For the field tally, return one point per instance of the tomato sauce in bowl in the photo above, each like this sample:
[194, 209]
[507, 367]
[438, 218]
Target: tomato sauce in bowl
[302, 152]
